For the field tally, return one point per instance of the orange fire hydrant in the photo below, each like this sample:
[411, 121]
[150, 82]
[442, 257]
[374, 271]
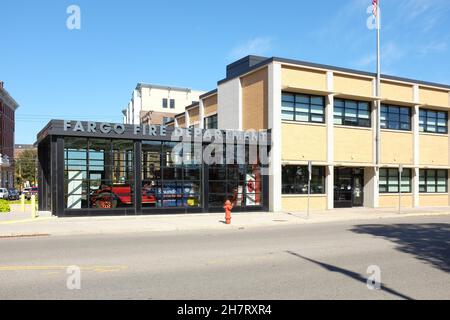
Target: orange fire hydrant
[228, 206]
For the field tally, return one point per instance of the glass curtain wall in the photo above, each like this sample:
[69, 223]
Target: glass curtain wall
[98, 173]
[239, 183]
[167, 180]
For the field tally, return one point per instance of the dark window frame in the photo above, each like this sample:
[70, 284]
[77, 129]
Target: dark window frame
[310, 105]
[343, 116]
[211, 122]
[389, 111]
[172, 103]
[423, 188]
[288, 181]
[164, 103]
[424, 116]
[392, 177]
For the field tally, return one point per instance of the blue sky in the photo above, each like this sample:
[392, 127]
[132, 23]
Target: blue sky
[54, 72]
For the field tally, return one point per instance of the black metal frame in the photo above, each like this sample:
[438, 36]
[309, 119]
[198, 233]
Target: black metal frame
[51, 182]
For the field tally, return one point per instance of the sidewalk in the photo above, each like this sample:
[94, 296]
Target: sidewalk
[20, 224]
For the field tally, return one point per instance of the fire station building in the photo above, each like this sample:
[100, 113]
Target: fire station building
[358, 144]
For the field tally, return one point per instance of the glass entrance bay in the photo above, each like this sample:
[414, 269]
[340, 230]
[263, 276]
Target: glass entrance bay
[100, 174]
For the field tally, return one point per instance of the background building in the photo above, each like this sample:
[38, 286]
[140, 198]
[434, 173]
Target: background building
[20, 148]
[155, 104]
[8, 107]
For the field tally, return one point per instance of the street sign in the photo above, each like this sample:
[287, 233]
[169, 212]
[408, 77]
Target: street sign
[309, 170]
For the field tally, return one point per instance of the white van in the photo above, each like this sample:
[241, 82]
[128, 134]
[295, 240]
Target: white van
[4, 194]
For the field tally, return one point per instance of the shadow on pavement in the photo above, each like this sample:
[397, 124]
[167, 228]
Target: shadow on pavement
[429, 243]
[350, 274]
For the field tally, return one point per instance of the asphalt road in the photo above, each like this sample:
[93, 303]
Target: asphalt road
[319, 261]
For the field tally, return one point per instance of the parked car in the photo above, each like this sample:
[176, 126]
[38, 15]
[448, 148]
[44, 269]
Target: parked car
[28, 192]
[13, 194]
[4, 194]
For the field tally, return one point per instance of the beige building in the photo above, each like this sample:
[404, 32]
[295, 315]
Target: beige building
[155, 104]
[357, 141]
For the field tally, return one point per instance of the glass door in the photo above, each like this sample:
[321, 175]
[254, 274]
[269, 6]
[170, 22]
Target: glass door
[358, 188]
[348, 187]
[343, 188]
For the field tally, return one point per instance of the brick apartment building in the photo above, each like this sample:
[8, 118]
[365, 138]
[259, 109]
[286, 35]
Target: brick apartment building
[8, 106]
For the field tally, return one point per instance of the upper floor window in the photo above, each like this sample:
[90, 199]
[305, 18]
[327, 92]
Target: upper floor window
[395, 118]
[351, 113]
[303, 108]
[433, 121]
[172, 103]
[166, 120]
[164, 103]
[211, 122]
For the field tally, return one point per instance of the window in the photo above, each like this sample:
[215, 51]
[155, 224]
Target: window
[295, 180]
[433, 181]
[395, 118]
[164, 103]
[433, 121]
[166, 180]
[98, 173]
[240, 183]
[172, 103]
[351, 113]
[211, 122]
[304, 108]
[389, 181]
[166, 120]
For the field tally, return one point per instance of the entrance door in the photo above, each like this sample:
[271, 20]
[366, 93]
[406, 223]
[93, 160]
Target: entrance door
[348, 187]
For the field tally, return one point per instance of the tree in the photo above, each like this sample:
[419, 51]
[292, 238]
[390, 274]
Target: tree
[25, 167]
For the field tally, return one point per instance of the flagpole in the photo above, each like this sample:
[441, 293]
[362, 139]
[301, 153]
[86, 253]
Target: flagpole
[378, 85]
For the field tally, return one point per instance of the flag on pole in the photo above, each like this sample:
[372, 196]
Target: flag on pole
[375, 7]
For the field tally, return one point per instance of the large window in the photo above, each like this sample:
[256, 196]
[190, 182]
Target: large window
[304, 108]
[295, 180]
[211, 122]
[433, 181]
[433, 121]
[239, 183]
[351, 113]
[395, 118]
[98, 173]
[166, 180]
[390, 181]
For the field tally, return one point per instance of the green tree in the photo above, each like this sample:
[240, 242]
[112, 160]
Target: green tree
[25, 167]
